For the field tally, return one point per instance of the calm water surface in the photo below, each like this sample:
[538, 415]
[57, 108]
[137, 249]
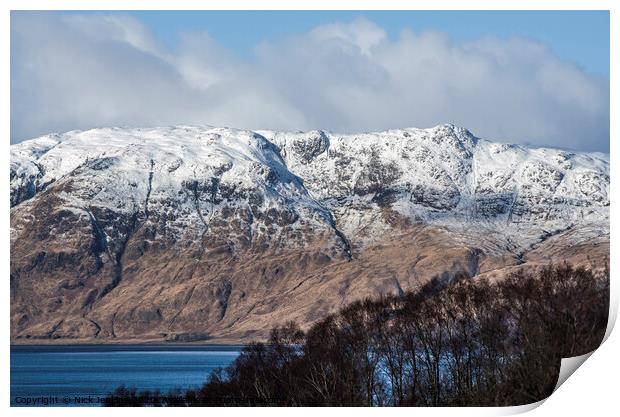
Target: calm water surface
[58, 372]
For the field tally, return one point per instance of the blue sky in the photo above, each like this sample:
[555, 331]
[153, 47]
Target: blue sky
[579, 36]
[532, 77]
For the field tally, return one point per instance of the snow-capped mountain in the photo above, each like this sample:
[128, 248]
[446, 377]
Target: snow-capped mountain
[447, 176]
[152, 231]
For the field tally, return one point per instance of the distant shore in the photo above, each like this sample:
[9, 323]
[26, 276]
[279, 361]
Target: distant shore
[127, 342]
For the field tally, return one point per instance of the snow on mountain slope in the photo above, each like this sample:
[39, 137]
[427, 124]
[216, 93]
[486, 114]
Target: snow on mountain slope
[188, 178]
[360, 184]
[447, 176]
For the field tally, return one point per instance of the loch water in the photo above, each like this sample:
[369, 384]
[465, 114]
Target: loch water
[70, 375]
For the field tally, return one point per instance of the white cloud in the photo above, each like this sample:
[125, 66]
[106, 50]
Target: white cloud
[80, 71]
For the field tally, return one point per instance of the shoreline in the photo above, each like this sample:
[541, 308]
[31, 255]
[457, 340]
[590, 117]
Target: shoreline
[131, 342]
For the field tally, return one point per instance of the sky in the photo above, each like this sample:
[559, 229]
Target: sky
[533, 77]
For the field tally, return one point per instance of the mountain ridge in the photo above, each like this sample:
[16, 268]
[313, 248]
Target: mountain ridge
[98, 216]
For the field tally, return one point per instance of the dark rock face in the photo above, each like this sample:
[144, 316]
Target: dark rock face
[377, 177]
[440, 199]
[27, 186]
[494, 205]
[309, 147]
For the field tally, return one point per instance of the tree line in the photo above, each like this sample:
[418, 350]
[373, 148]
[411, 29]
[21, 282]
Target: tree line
[470, 342]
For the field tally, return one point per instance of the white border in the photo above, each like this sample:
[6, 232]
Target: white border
[593, 391]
